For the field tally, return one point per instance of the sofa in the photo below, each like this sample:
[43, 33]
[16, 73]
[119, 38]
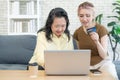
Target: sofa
[117, 65]
[17, 50]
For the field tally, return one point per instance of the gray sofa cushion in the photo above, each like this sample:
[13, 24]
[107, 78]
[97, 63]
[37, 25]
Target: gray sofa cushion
[16, 49]
[75, 44]
[117, 65]
[13, 67]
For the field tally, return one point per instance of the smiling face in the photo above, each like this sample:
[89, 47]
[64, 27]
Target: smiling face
[58, 26]
[86, 16]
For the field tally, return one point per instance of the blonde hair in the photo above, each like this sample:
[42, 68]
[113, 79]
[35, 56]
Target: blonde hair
[86, 5]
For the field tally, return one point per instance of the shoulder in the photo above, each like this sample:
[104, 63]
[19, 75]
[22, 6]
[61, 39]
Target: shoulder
[41, 35]
[99, 26]
[101, 30]
[78, 30]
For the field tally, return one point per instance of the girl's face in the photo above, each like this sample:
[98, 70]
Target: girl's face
[58, 26]
[86, 17]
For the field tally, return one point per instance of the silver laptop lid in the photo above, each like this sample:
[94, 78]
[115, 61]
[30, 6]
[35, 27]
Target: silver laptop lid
[67, 62]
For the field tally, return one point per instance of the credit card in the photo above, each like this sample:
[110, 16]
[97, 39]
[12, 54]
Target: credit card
[93, 29]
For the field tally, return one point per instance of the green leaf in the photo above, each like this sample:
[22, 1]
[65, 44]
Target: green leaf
[111, 23]
[118, 1]
[117, 29]
[118, 12]
[98, 18]
[113, 16]
[116, 8]
[117, 17]
[115, 4]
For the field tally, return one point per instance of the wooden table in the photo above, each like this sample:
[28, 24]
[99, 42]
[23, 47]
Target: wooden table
[25, 75]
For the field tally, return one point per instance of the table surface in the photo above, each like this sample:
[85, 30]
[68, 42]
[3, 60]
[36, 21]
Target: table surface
[26, 75]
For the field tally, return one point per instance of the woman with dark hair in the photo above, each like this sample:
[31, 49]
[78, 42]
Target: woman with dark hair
[59, 13]
[54, 36]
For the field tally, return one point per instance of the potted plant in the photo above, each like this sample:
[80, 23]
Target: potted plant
[114, 34]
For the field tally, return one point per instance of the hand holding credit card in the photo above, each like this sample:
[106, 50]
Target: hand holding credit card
[93, 29]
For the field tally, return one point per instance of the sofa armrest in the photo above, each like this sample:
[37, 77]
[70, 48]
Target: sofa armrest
[117, 65]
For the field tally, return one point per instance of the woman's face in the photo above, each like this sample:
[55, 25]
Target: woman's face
[86, 17]
[58, 26]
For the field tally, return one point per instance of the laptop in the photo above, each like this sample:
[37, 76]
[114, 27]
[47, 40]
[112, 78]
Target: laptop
[67, 62]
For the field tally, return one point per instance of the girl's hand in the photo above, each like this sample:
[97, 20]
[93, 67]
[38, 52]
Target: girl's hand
[94, 36]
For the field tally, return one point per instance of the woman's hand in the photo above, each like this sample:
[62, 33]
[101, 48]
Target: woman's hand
[94, 36]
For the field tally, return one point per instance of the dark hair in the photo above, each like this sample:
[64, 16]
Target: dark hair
[56, 12]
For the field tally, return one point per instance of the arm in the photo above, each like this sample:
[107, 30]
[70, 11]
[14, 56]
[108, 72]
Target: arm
[101, 45]
[38, 55]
